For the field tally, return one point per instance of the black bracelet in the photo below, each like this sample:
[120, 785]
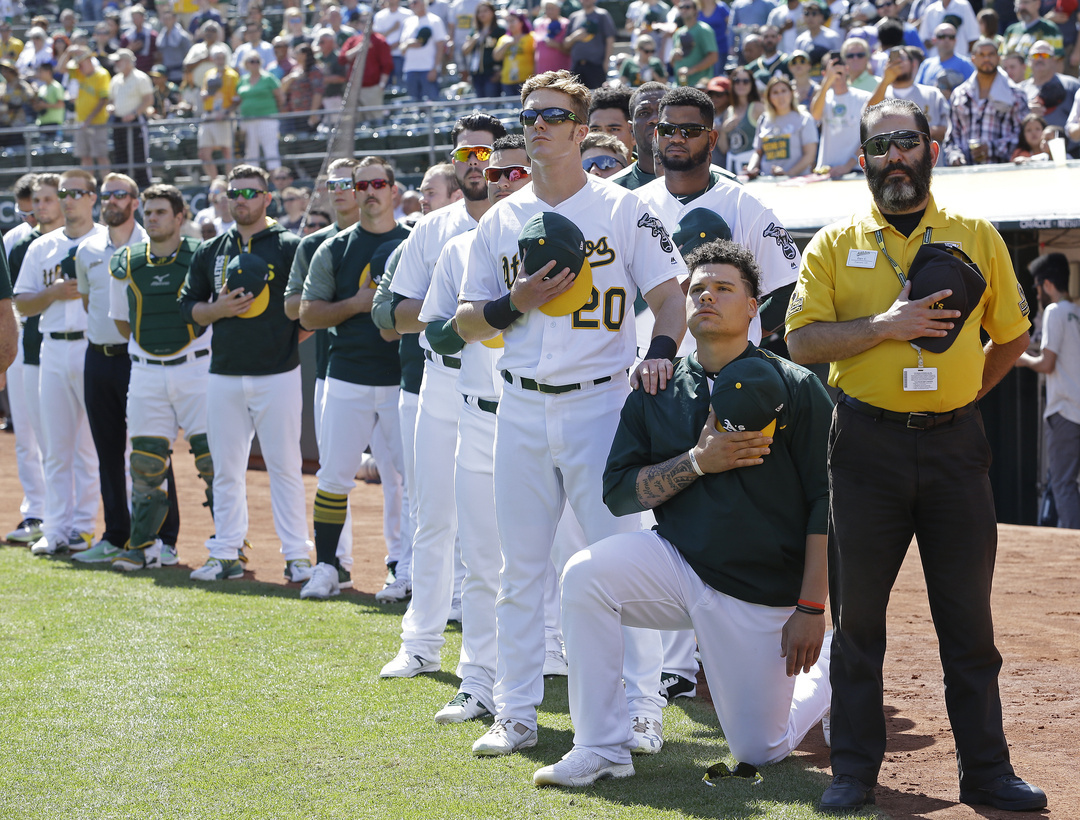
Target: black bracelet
[500, 313]
[808, 610]
[662, 347]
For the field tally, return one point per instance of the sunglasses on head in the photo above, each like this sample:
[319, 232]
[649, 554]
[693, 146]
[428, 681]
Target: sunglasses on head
[603, 162]
[74, 193]
[483, 153]
[244, 193]
[513, 173]
[904, 140]
[340, 185]
[120, 195]
[688, 130]
[551, 116]
[377, 184]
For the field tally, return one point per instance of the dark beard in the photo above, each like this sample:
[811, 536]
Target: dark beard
[900, 195]
[691, 161]
[474, 194]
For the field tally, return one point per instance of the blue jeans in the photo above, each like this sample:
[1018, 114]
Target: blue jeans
[420, 87]
[486, 86]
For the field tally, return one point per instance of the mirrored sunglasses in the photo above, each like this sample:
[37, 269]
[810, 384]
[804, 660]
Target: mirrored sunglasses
[688, 130]
[243, 193]
[603, 162]
[462, 154]
[551, 116]
[904, 140]
[512, 173]
[377, 184]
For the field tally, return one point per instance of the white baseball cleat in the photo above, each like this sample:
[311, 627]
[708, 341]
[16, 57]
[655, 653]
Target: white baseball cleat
[462, 708]
[505, 737]
[323, 583]
[408, 666]
[555, 663]
[826, 727]
[394, 592]
[648, 736]
[580, 767]
[49, 546]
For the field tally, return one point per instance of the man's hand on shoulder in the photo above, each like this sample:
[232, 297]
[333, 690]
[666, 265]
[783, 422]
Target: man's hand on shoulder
[718, 451]
[906, 319]
[652, 374]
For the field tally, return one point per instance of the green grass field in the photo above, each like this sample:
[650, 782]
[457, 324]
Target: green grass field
[131, 696]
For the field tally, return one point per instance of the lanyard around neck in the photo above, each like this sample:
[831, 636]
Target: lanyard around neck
[896, 268]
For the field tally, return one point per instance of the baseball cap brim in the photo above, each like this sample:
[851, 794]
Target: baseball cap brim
[575, 298]
[495, 342]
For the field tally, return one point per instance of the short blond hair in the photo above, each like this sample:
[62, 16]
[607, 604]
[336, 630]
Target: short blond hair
[565, 83]
[79, 173]
[131, 185]
[606, 142]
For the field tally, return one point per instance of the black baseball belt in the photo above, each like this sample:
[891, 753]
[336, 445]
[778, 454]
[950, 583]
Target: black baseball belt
[73, 336]
[198, 354]
[109, 350]
[487, 405]
[452, 362]
[913, 421]
[553, 389]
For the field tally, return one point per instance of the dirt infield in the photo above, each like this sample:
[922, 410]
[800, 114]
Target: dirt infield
[1037, 612]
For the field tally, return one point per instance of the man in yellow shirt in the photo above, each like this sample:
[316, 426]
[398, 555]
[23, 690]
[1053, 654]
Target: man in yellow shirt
[907, 451]
[10, 47]
[219, 102]
[91, 114]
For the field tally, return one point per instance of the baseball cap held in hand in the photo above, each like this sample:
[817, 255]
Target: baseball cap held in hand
[549, 236]
[250, 273]
[938, 266]
[748, 395]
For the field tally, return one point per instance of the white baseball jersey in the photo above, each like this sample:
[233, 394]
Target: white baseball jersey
[586, 344]
[95, 281]
[421, 250]
[752, 225]
[49, 259]
[479, 376]
[19, 232]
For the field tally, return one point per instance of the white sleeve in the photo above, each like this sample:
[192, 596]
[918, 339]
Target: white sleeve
[654, 258]
[118, 303]
[482, 281]
[1074, 115]
[1051, 330]
[413, 275]
[758, 229]
[28, 282]
[442, 296]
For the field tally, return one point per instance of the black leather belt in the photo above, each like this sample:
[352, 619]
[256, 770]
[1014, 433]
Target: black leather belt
[198, 354]
[487, 405]
[450, 361]
[74, 336]
[554, 389]
[109, 350]
[913, 421]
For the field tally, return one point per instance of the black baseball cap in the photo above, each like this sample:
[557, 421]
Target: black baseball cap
[548, 236]
[938, 266]
[749, 395]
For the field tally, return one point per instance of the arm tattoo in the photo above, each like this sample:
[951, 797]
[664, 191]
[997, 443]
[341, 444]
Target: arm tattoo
[661, 482]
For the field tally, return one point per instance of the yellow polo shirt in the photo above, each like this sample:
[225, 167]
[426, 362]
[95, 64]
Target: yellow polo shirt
[832, 288]
[229, 83]
[91, 89]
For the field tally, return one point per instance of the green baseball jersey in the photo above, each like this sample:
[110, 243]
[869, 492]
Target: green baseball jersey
[339, 268]
[743, 531]
[409, 350]
[153, 286]
[31, 334]
[301, 262]
[260, 343]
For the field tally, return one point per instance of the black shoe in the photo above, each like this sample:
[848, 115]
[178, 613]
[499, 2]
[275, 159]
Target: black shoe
[846, 793]
[676, 686]
[1007, 792]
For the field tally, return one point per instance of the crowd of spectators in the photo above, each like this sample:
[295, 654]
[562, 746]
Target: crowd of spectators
[977, 74]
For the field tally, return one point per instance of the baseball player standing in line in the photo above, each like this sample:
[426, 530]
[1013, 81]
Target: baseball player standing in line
[107, 368]
[169, 373]
[752, 589]
[28, 456]
[644, 107]
[685, 139]
[9, 328]
[437, 414]
[481, 386]
[564, 367]
[342, 191]
[364, 371]
[440, 188]
[254, 385]
[47, 286]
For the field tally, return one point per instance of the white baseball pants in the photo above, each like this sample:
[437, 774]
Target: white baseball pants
[28, 455]
[640, 580]
[237, 408]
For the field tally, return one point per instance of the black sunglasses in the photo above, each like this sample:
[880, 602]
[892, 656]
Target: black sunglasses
[688, 130]
[105, 196]
[551, 116]
[244, 193]
[603, 162]
[904, 140]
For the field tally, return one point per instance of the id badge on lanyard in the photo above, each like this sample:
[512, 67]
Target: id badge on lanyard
[919, 378]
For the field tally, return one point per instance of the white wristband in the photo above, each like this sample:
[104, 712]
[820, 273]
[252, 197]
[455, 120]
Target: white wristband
[693, 462]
